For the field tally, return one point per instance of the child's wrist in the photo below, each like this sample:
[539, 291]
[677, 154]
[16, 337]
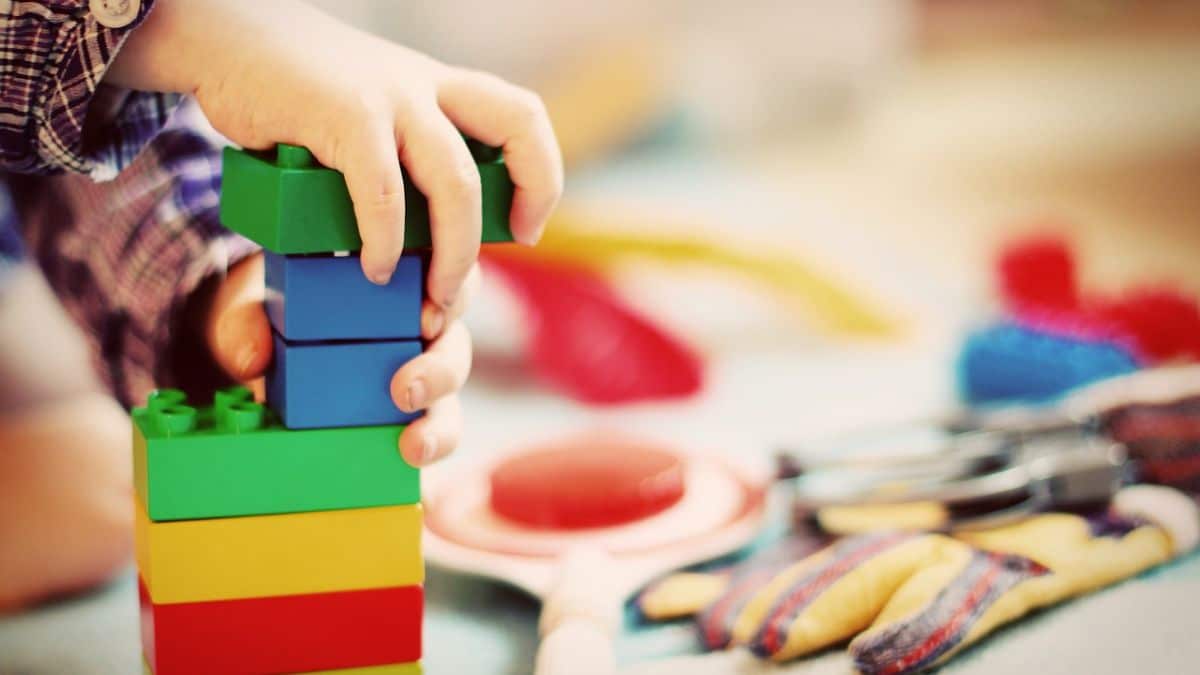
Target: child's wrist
[184, 44]
[156, 56]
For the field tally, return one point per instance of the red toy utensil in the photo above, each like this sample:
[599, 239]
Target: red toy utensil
[589, 344]
[585, 574]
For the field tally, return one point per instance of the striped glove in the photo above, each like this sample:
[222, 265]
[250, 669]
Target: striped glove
[910, 601]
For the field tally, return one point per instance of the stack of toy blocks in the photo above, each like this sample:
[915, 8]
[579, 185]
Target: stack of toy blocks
[285, 538]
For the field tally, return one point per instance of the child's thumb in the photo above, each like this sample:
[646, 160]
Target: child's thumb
[238, 332]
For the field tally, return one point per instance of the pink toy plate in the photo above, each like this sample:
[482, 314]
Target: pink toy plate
[721, 510]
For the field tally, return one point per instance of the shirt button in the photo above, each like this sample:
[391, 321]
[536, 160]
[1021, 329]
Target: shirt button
[115, 13]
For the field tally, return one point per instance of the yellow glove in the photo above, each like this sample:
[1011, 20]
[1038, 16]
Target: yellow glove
[914, 600]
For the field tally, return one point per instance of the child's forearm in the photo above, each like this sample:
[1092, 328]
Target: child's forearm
[187, 44]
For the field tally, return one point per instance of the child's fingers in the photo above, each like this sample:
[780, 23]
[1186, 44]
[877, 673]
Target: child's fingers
[433, 436]
[237, 330]
[243, 344]
[434, 318]
[368, 159]
[498, 113]
[439, 371]
[442, 168]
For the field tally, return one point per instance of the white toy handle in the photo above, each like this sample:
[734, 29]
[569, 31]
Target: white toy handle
[580, 616]
[576, 647]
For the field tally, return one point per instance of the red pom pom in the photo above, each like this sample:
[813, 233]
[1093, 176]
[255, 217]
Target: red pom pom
[587, 483]
[1038, 274]
[1163, 323]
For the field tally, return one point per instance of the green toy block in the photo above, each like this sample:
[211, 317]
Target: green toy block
[236, 459]
[288, 203]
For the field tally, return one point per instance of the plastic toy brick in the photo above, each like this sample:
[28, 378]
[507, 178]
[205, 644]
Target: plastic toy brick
[369, 631]
[325, 297]
[288, 203]
[289, 554]
[337, 384]
[236, 459]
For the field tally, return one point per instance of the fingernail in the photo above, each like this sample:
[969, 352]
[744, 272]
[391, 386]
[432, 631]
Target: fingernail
[534, 237]
[429, 448]
[434, 322]
[416, 395]
[375, 271]
[246, 357]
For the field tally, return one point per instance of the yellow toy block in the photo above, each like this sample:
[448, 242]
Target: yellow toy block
[289, 554]
[388, 669]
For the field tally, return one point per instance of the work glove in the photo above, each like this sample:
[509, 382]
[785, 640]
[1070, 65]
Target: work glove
[911, 600]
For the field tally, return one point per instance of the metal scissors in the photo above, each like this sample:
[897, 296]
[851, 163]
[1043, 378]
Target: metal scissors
[985, 468]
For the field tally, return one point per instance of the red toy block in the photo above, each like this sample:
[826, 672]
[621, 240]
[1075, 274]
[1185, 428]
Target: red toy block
[286, 634]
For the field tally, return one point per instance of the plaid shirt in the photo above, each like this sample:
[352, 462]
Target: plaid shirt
[114, 193]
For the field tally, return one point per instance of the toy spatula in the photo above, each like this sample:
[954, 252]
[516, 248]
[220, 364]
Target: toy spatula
[584, 575]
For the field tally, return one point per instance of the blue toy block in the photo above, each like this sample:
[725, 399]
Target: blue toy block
[1007, 363]
[325, 297]
[337, 384]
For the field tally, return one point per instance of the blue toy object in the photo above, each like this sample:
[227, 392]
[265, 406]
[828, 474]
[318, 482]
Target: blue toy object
[1008, 363]
[337, 384]
[326, 297]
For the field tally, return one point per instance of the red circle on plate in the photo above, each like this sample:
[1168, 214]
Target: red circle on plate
[586, 483]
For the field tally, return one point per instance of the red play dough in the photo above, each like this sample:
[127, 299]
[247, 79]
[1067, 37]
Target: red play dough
[586, 483]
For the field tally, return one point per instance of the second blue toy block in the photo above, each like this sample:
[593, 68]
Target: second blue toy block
[342, 384]
[324, 297]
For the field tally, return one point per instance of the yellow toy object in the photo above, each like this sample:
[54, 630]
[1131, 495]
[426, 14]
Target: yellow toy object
[914, 600]
[591, 122]
[830, 304]
[290, 554]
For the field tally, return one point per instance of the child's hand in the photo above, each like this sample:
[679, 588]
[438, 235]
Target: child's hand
[279, 71]
[239, 336]
[273, 71]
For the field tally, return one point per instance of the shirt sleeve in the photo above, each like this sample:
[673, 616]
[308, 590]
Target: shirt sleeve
[126, 257]
[55, 113]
